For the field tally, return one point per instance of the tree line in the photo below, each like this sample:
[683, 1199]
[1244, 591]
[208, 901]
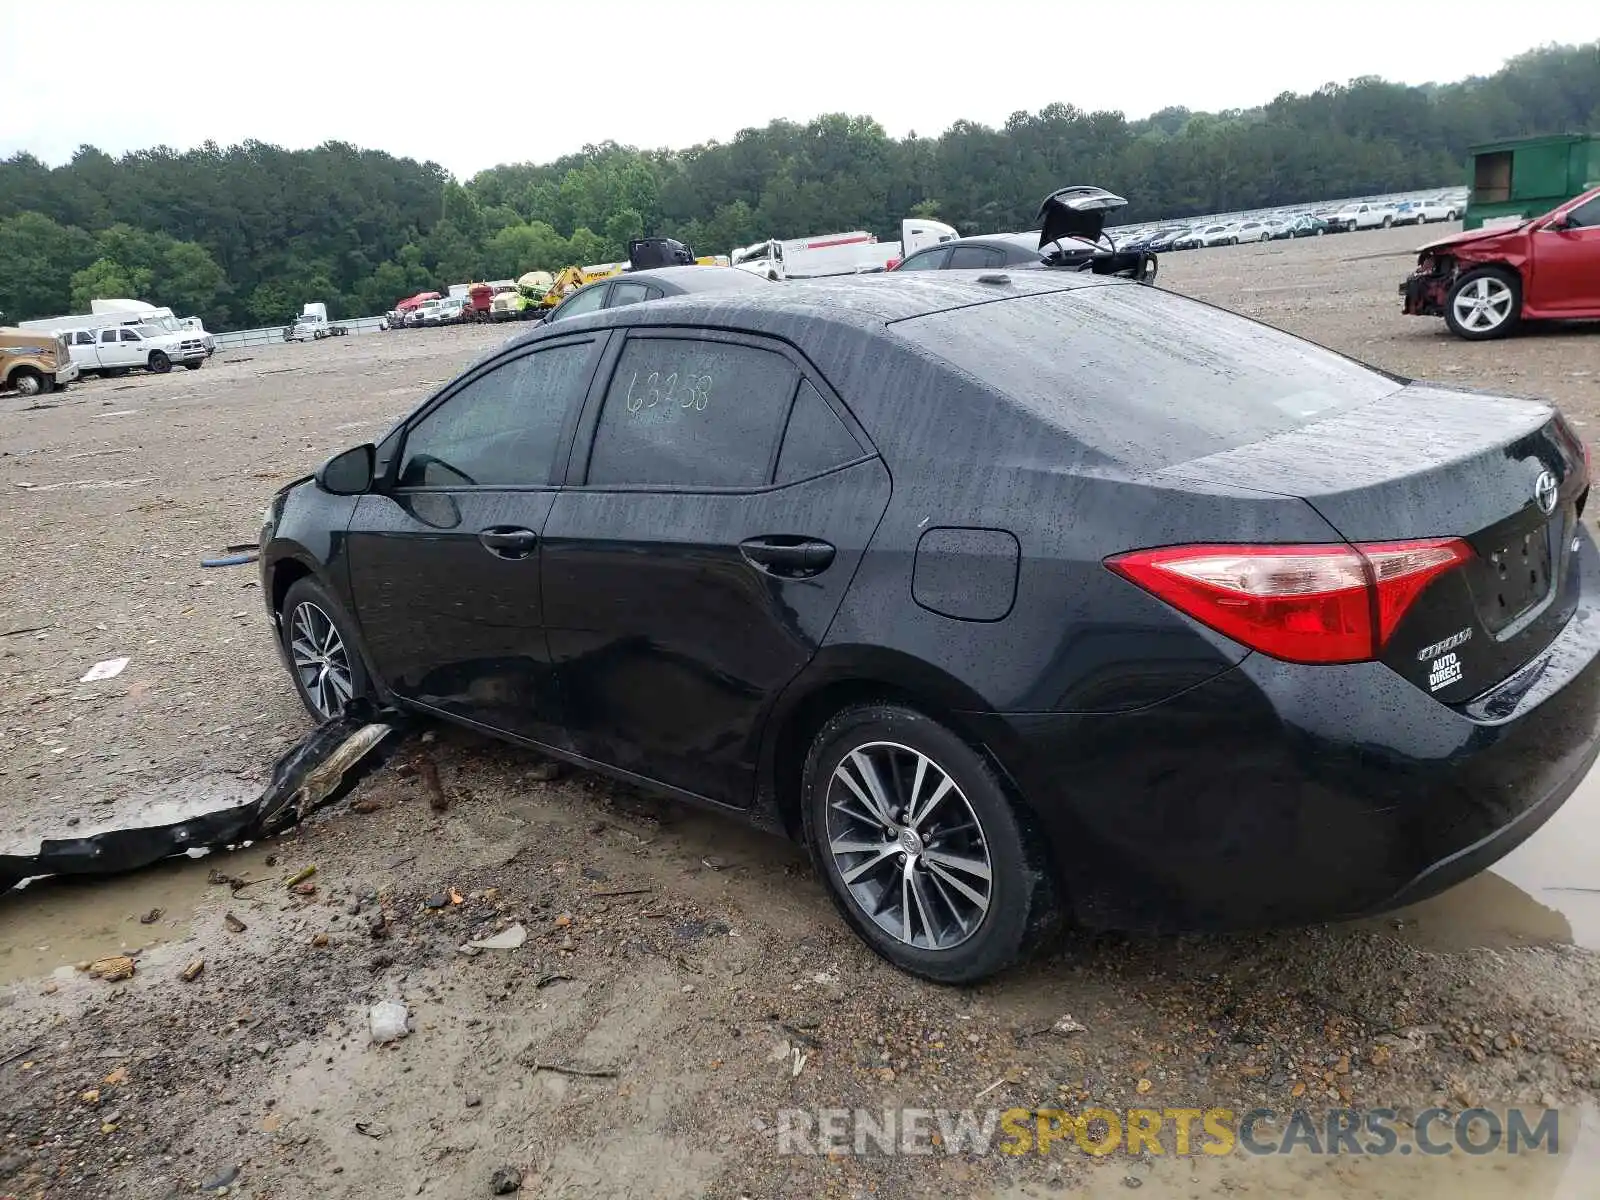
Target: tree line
[242, 235]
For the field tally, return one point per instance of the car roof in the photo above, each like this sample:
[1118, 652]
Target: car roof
[863, 302]
[685, 280]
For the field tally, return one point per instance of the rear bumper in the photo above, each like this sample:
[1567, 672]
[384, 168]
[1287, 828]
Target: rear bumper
[1277, 794]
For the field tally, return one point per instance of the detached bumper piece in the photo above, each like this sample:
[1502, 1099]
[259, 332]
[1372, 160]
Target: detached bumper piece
[319, 769]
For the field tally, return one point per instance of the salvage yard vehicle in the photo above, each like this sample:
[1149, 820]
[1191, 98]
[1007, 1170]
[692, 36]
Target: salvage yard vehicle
[1253, 231]
[1485, 282]
[1306, 225]
[32, 362]
[1072, 236]
[1273, 670]
[656, 283]
[312, 325]
[1360, 216]
[122, 348]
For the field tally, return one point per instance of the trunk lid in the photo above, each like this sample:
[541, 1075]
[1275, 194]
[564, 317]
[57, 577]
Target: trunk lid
[1432, 462]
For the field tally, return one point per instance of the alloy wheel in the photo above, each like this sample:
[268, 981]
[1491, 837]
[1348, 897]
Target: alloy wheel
[27, 384]
[1484, 304]
[908, 846]
[321, 661]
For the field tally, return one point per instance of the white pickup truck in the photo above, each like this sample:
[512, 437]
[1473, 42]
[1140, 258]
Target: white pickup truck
[119, 350]
[1361, 216]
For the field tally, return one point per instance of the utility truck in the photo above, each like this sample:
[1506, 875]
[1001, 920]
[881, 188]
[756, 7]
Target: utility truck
[848, 253]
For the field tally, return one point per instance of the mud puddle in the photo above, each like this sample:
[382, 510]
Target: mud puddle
[1546, 891]
[53, 923]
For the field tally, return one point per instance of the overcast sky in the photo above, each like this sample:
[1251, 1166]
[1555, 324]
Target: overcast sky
[472, 83]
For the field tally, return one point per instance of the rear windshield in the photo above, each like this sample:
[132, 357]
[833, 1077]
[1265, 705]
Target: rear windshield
[1142, 376]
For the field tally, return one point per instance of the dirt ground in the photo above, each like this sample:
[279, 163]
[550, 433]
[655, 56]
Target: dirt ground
[694, 968]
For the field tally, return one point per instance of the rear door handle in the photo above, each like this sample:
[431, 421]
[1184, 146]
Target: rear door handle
[788, 557]
[509, 541]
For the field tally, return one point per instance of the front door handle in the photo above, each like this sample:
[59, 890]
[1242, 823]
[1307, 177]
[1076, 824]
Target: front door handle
[509, 541]
[788, 557]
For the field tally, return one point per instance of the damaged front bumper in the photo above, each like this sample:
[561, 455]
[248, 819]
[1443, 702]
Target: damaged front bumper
[1424, 292]
[319, 769]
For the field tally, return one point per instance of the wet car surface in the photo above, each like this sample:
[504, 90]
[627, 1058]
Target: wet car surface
[1185, 648]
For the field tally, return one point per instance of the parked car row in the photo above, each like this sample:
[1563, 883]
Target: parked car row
[1344, 219]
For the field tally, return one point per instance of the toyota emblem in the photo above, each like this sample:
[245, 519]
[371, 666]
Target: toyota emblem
[1544, 492]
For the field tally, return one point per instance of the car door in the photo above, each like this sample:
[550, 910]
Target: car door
[113, 353]
[718, 503]
[587, 299]
[443, 558]
[1566, 264]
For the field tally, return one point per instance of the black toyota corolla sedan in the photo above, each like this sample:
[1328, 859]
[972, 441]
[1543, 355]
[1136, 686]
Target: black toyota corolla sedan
[1016, 597]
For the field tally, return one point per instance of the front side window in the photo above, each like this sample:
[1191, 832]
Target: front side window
[500, 430]
[692, 413]
[129, 335]
[586, 301]
[931, 260]
[1586, 215]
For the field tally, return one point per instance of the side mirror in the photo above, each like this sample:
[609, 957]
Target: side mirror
[349, 473]
[1564, 221]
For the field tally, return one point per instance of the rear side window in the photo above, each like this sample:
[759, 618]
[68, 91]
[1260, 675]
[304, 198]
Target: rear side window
[968, 257]
[501, 429]
[686, 412]
[817, 439]
[1146, 378]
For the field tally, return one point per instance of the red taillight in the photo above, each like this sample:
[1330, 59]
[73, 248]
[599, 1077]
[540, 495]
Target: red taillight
[1308, 604]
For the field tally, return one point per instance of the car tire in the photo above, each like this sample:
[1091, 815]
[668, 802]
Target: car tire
[1388, 221]
[194, 366]
[962, 927]
[159, 363]
[323, 668]
[1450, 215]
[1493, 293]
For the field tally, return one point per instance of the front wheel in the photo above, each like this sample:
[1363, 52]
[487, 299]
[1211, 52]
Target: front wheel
[1485, 303]
[159, 363]
[29, 382]
[323, 658]
[921, 848]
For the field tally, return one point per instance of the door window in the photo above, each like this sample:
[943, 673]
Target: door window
[931, 260]
[816, 440]
[129, 335]
[692, 413]
[587, 300]
[631, 293]
[1585, 216]
[108, 336]
[501, 429]
[82, 338]
[967, 257]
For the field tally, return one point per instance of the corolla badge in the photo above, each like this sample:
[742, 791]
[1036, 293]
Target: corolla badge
[1544, 492]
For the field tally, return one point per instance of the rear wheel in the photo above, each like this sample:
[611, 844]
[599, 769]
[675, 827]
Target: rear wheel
[323, 659]
[159, 363]
[1485, 303]
[1388, 221]
[921, 849]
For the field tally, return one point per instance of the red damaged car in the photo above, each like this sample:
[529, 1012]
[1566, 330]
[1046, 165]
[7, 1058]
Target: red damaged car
[1486, 281]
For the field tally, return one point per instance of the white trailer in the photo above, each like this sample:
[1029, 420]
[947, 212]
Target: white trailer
[836, 253]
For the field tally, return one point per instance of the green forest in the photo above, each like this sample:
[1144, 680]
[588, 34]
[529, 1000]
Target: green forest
[242, 235]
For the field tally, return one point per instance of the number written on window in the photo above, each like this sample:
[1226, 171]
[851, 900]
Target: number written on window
[686, 389]
[692, 413]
